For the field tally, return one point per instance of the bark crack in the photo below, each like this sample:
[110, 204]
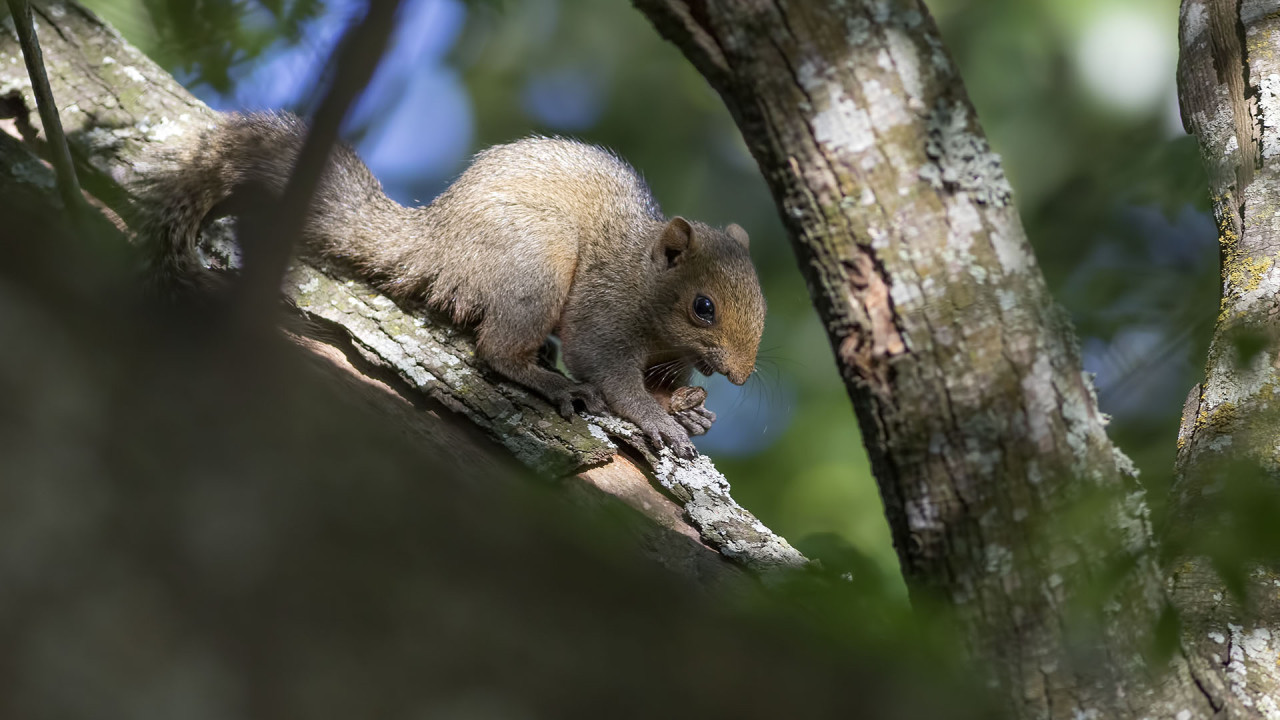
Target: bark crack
[1048, 694]
[863, 273]
[1215, 703]
[701, 21]
[1228, 41]
[37, 10]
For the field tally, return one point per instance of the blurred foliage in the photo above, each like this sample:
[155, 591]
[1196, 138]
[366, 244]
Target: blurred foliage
[1235, 525]
[1111, 192]
[204, 39]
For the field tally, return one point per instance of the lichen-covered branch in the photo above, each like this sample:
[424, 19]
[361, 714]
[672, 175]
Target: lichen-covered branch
[983, 431]
[440, 362]
[119, 110]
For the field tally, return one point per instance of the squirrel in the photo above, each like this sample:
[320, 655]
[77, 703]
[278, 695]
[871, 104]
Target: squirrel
[537, 237]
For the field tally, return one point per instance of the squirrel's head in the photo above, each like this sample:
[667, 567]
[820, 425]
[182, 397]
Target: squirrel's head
[715, 310]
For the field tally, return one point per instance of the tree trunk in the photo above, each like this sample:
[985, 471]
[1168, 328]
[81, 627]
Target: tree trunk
[984, 434]
[1229, 85]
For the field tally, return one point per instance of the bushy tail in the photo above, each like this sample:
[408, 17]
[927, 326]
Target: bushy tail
[241, 163]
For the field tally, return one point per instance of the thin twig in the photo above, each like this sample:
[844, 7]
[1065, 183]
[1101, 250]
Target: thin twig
[268, 243]
[59, 153]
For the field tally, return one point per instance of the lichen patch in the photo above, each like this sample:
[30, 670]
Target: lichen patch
[838, 121]
[962, 161]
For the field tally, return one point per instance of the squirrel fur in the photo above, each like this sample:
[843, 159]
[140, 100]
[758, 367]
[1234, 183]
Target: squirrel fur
[537, 237]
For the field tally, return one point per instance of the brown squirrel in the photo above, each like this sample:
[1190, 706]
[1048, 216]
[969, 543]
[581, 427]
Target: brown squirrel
[537, 237]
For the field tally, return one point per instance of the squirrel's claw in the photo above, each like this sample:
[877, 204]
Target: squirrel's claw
[696, 420]
[669, 434]
[683, 448]
[688, 408]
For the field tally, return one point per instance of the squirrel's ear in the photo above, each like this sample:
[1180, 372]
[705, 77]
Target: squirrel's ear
[735, 231]
[675, 239]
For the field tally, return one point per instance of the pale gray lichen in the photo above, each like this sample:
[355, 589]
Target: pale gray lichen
[905, 57]
[695, 474]
[1134, 522]
[1269, 114]
[614, 426]
[962, 159]
[1251, 649]
[999, 559]
[1124, 464]
[720, 520]
[32, 173]
[880, 10]
[1195, 20]
[218, 248]
[101, 140]
[838, 121]
[857, 30]
[598, 433]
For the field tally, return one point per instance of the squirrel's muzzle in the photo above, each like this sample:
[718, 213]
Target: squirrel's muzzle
[719, 361]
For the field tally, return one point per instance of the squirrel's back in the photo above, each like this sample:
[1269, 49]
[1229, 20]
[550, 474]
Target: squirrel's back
[548, 202]
[534, 207]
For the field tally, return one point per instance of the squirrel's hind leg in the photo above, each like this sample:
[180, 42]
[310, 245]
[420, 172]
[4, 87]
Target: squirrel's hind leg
[560, 390]
[512, 338]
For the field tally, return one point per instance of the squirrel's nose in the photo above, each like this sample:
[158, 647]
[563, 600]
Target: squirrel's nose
[738, 377]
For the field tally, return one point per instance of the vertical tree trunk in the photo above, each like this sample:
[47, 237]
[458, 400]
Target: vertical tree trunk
[983, 432]
[1229, 444]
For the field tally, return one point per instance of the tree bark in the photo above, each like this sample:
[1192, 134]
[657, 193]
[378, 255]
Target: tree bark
[1229, 86]
[984, 434]
[120, 110]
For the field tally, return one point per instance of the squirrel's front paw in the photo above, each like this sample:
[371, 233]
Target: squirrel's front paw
[590, 398]
[696, 420]
[688, 410]
[668, 433]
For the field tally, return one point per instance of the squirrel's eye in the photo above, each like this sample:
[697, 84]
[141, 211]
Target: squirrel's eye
[704, 309]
